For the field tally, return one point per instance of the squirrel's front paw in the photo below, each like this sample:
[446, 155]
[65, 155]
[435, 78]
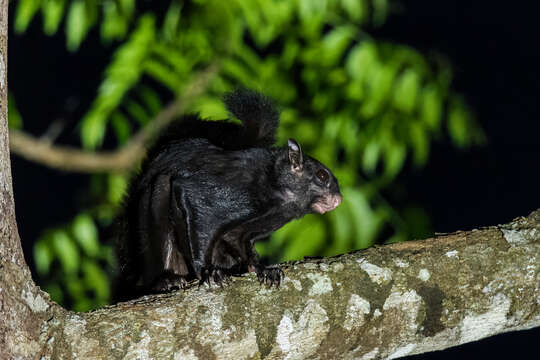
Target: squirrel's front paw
[216, 275]
[269, 275]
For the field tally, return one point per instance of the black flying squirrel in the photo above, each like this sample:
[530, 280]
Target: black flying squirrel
[207, 191]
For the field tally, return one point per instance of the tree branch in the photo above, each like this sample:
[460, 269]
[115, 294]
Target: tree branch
[76, 160]
[383, 302]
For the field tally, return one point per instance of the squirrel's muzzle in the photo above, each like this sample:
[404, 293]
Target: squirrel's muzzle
[327, 203]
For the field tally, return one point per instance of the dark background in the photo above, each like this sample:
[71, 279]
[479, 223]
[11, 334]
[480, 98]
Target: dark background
[495, 53]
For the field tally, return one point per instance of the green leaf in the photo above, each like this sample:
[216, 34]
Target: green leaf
[431, 107]
[250, 14]
[312, 14]
[333, 125]
[171, 21]
[290, 52]
[394, 157]
[249, 58]
[210, 108]
[309, 10]
[334, 44]
[43, 256]
[120, 76]
[337, 77]
[458, 120]
[355, 91]
[356, 9]
[137, 112]
[370, 156]
[361, 60]
[380, 82]
[108, 254]
[150, 99]
[265, 18]
[86, 233]
[114, 24]
[75, 287]
[77, 24]
[170, 56]
[15, 120]
[380, 11]
[26, 10]
[52, 11]
[65, 249]
[238, 71]
[92, 130]
[95, 279]
[127, 7]
[349, 138]
[121, 127]
[163, 74]
[117, 187]
[406, 91]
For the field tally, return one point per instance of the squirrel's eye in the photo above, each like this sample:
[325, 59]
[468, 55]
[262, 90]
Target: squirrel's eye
[322, 175]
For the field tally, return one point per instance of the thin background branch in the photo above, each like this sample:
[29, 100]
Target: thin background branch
[73, 159]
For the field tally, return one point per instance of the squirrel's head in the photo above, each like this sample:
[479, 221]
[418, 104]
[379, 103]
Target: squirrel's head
[307, 182]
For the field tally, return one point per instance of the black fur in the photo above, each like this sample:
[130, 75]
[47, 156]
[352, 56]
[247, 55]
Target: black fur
[207, 191]
[258, 115]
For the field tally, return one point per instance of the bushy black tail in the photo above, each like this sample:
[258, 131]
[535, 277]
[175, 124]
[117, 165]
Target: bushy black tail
[258, 114]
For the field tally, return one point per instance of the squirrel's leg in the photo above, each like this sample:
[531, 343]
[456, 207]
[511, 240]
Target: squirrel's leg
[235, 247]
[170, 269]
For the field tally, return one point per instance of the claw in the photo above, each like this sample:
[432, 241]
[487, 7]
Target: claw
[270, 276]
[269, 279]
[260, 276]
[205, 277]
[218, 276]
[214, 275]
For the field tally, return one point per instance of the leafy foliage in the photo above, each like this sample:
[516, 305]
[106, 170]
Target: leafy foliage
[81, 279]
[70, 259]
[80, 17]
[365, 108]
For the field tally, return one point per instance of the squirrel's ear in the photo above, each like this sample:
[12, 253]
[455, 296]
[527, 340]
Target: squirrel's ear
[295, 155]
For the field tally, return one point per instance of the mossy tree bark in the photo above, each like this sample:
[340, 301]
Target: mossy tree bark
[384, 302]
